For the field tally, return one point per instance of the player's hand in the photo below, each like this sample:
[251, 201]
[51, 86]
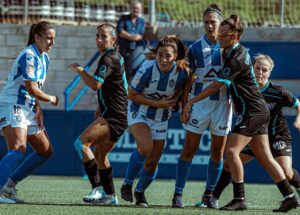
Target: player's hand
[54, 100]
[186, 113]
[297, 124]
[165, 103]
[75, 67]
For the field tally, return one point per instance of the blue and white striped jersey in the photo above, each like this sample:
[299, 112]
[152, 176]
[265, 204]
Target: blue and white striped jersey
[156, 85]
[30, 65]
[206, 61]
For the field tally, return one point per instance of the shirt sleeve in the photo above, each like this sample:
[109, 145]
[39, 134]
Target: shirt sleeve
[141, 79]
[104, 69]
[28, 65]
[229, 72]
[289, 99]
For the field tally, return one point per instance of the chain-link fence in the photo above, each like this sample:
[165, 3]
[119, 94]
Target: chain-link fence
[166, 13]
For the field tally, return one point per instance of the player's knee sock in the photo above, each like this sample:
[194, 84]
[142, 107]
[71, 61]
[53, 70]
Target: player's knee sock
[146, 179]
[285, 189]
[8, 163]
[134, 167]
[213, 174]
[295, 181]
[182, 173]
[106, 177]
[92, 172]
[238, 190]
[31, 162]
[223, 182]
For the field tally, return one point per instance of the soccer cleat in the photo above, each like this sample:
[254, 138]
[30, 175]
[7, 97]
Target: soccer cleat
[4, 199]
[177, 202]
[11, 193]
[235, 205]
[287, 204]
[140, 199]
[96, 194]
[107, 200]
[204, 201]
[213, 203]
[126, 192]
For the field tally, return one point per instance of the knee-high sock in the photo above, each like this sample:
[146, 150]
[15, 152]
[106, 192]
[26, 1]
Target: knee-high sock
[223, 182]
[238, 190]
[29, 164]
[146, 179]
[285, 189]
[8, 163]
[134, 167]
[182, 173]
[295, 181]
[106, 178]
[213, 174]
[92, 173]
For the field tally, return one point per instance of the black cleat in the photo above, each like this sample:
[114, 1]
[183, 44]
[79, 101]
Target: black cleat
[177, 202]
[287, 204]
[235, 205]
[140, 199]
[126, 192]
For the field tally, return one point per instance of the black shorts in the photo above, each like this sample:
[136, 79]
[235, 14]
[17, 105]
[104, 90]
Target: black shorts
[278, 148]
[251, 125]
[117, 128]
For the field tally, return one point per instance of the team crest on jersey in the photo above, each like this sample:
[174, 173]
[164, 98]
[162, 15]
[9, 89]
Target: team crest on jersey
[171, 83]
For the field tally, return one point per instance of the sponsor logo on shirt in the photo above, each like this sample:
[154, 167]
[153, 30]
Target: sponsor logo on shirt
[171, 83]
[2, 120]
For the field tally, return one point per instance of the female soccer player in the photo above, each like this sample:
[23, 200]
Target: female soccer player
[21, 114]
[214, 112]
[154, 91]
[280, 140]
[253, 116]
[110, 83]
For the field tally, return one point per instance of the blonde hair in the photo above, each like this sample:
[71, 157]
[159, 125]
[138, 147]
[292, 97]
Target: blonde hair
[265, 57]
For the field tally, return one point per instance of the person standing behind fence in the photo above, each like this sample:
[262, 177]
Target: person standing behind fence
[131, 29]
[154, 91]
[21, 117]
[253, 116]
[214, 112]
[110, 83]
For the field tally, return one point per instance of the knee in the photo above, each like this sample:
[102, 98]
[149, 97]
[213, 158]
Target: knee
[288, 172]
[145, 149]
[230, 153]
[19, 147]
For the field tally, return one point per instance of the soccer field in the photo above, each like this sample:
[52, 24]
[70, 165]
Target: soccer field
[63, 195]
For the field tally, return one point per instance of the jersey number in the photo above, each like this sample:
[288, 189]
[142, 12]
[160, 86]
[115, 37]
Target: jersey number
[17, 109]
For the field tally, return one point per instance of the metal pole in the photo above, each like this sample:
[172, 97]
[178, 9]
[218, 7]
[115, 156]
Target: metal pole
[25, 17]
[152, 12]
[282, 14]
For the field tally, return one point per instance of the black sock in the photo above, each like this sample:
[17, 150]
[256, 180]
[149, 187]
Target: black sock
[207, 192]
[285, 188]
[223, 182]
[295, 181]
[92, 172]
[238, 190]
[177, 194]
[106, 176]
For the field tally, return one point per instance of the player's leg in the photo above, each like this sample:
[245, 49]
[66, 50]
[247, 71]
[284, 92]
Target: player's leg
[190, 148]
[143, 137]
[43, 150]
[148, 173]
[16, 142]
[261, 149]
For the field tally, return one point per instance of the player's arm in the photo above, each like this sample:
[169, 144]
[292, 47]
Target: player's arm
[297, 120]
[140, 98]
[33, 90]
[87, 78]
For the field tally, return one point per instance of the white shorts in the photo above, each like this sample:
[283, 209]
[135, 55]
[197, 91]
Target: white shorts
[158, 129]
[19, 116]
[215, 115]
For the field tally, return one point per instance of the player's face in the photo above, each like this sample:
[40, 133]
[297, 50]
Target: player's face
[165, 57]
[104, 39]
[262, 71]
[226, 37]
[211, 25]
[45, 40]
